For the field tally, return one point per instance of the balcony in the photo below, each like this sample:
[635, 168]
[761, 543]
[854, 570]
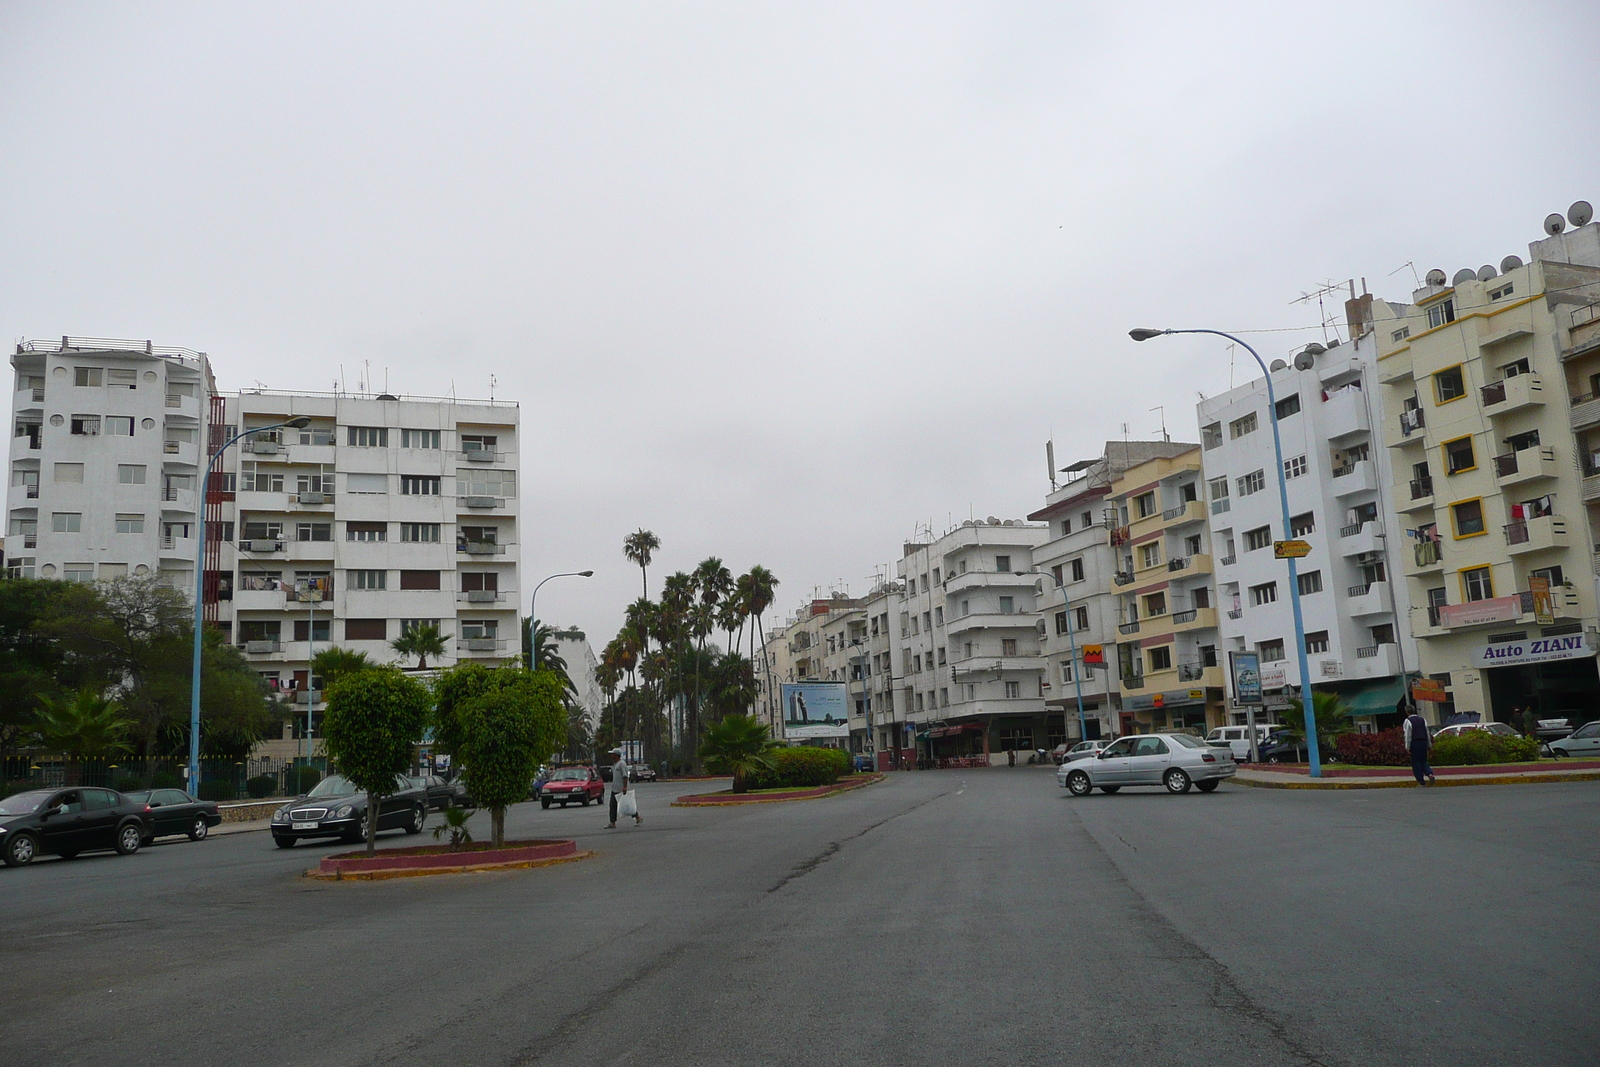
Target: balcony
[1118, 535]
[1525, 466]
[1585, 413]
[1360, 539]
[1195, 619]
[480, 455]
[1512, 394]
[311, 499]
[1395, 368]
[263, 447]
[1344, 414]
[480, 502]
[1235, 614]
[1425, 557]
[261, 547]
[1228, 561]
[1119, 578]
[1591, 488]
[1128, 628]
[1375, 661]
[480, 596]
[1199, 563]
[1353, 478]
[1412, 423]
[1191, 672]
[1426, 622]
[479, 646]
[262, 648]
[1536, 535]
[1132, 681]
[1188, 511]
[480, 548]
[1369, 598]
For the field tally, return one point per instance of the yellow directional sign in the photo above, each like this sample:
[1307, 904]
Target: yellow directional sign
[1291, 549]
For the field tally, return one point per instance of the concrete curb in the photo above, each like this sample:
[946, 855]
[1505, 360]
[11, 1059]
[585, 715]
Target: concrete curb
[773, 798]
[1409, 783]
[460, 868]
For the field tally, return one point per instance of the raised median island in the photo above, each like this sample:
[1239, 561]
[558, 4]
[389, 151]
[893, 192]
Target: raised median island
[442, 859]
[771, 796]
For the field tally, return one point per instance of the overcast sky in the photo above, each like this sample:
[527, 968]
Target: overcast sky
[778, 282]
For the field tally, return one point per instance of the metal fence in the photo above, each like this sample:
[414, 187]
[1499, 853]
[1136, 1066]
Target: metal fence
[230, 776]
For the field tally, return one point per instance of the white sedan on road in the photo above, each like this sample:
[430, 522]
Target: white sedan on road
[1176, 761]
[1583, 742]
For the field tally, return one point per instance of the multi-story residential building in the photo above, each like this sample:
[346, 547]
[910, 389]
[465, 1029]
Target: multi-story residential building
[1168, 638]
[573, 646]
[1078, 602]
[875, 728]
[105, 458]
[970, 671]
[1358, 643]
[1499, 563]
[381, 515]
[814, 646]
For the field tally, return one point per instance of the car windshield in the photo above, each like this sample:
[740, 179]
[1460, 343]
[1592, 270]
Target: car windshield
[1589, 730]
[335, 785]
[1186, 741]
[22, 803]
[139, 796]
[571, 774]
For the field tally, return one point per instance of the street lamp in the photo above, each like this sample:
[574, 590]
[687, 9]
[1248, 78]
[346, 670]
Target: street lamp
[1313, 755]
[298, 423]
[533, 618]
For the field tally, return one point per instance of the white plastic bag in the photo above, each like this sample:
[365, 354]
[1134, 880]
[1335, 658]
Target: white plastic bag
[627, 805]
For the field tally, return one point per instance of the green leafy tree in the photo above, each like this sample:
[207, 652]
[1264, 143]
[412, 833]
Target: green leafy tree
[32, 663]
[504, 732]
[738, 745]
[374, 718]
[86, 725]
[420, 641]
[1333, 718]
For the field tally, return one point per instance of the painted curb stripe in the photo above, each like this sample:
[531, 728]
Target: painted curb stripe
[419, 872]
[1505, 779]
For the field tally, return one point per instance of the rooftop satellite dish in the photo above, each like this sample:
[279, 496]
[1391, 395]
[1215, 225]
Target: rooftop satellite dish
[1580, 213]
[1509, 264]
[1486, 272]
[1305, 361]
[992, 521]
[1277, 365]
[1554, 224]
[1435, 277]
[1465, 274]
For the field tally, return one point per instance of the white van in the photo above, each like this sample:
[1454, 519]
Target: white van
[1237, 738]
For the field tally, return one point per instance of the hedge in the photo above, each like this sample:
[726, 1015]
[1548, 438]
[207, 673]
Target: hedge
[1384, 749]
[300, 780]
[262, 785]
[217, 790]
[1474, 747]
[802, 767]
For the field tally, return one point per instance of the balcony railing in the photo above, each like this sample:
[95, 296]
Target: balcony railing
[1421, 487]
[1369, 652]
[256, 648]
[1350, 531]
[1493, 393]
[480, 548]
[1411, 421]
[1177, 563]
[1128, 628]
[1191, 672]
[1181, 617]
[171, 447]
[174, 400]
[1133, 681]
[1360, 590]
[1175, 513]
[1426, 552]
[32, 493]
[1228, 560]
[1120, 578]
[1235, 613]
[1340, 472]
[1505, 466]
[1516, 532]
[480, 644]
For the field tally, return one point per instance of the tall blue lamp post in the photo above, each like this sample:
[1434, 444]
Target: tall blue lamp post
[1294, 581]
[533, 618]
[200, 587]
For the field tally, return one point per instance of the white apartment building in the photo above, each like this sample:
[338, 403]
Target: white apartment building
[1078, 565]
[814, 645]
[1341, 502]
[105, 455]
[573, 647]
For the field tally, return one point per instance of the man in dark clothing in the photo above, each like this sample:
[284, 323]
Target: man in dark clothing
[1530, 727]
[1418, 742]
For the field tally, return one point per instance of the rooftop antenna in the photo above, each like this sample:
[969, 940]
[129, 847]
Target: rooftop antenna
[1163, 409]
[366, 386]
[492, 382]
[1232, 351]
[341, 378]
[1397, 270]
[1050, 462]
[1320, 295]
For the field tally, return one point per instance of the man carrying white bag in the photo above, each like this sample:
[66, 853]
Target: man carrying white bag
[624, 801]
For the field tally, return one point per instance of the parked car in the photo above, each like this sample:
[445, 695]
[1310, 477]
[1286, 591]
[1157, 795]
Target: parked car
[572, 785]
[1584, 741]
[539, 780]
[440, 792]
[1555, 728]
[1237, 739]
[460, 796]
[1283, 748]
[1174, 760]
[337, 808]
[65, 822]
[172, 812]
[1082, 750]
[643, 772]
[1459, 728]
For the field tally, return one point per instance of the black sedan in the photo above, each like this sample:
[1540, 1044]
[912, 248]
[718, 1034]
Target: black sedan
[65, 822]
[172, 812]
[338, 808]
[441, 794]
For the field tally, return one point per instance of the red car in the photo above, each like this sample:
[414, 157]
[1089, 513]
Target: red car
[569, 784]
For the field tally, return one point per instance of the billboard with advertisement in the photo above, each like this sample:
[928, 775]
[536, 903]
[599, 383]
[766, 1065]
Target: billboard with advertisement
[815, 710]
[1246, 670]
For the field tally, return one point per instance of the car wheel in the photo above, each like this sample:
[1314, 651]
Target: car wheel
[584, 803]
[1176, 781]
[418, 818]
[20, 850]
[1109, 788]
[545, 804]
[360, 832]
[200, 829]
[1078, 784]
[283, 842]
[1274, 759]
[1208, 785]
[129, 838]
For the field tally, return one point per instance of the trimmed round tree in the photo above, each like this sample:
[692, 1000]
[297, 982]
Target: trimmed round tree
[374, 718]
[503, 733]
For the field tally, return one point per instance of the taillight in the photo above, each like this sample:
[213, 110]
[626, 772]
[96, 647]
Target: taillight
[147, 809]
[1206, 757]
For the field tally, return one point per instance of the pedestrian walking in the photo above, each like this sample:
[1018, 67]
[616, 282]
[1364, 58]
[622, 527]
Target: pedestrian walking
[1530, 727]
[622, 797]
[1418, 742]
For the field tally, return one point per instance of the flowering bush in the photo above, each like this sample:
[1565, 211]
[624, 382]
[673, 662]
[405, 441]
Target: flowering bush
[1385, 749]
[1475, 747]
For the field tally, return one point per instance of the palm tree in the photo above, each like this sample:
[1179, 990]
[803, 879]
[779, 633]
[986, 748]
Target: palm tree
[640, 547]
[333, 663]
[763, 586]
[550, 657]
[1333, 718]
[713, 580]
[86, 726]
[420, 641]
[738, 745]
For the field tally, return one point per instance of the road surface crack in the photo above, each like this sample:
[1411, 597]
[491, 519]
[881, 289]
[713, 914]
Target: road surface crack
[806, 867]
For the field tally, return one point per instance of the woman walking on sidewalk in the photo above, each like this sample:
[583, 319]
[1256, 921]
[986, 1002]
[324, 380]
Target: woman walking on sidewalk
[1418, 742]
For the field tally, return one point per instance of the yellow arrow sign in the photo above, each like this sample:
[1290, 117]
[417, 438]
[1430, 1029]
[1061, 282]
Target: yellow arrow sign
[1291, 549]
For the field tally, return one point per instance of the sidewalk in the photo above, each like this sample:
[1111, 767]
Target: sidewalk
[1298, 776]
[240, 827]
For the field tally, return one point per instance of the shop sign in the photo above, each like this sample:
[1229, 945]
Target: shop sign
[1175, 698]
[1477, 612]
[1537, 650]
[1544, 612]
[1291, 549]
[1274, 677]
[1430, 689]
[1093, 654]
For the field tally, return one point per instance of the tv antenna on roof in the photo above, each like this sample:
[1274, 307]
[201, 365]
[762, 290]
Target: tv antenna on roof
[1163, 409]
[493, 381]
[1320, 295]
[1403, 266]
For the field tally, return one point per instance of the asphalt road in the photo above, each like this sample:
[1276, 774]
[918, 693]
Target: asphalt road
[948, 917]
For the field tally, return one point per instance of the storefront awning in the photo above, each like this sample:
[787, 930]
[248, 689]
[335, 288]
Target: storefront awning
[1373, 700]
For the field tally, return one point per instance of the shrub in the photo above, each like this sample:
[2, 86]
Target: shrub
[1476, 747]
[217, 790]
[262, 785]
[300, 780]
[802, 767]
[1385, 749]
[166, 780]
[127, 783]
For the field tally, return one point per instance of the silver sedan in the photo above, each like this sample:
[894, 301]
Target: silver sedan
[1176, 761]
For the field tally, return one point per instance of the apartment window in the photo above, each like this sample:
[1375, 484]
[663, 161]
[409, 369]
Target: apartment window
[77, 572]
[927, 621]
[1218, 488]
[941, 656]
[1150, 555]
[367, 531]
[477, 442]
[1468, 517]
[86, 376]
[936, 576]
[1061, 623]
[368, 436]
[1076, 567]
[1289, 405]
[938, 616]
[1066, 527]
[1271, 651]
[252, 480]
[1300, 525]
[313, 531]
[419, 439]
[66, 522]
[263, 531]
[1458, 456]
[1001, 563]
[1155, 604]
[1294, 468]
[130, 473]
[1260, 537]
[428, 532]
[65, 473]
[916, 625]
[1383, 634]
[919, 701]
[1007, 605]
[305, 630]
[1081, 618]
[490, 481]
[367, 579]
[1316, 643]
[1066, 671]
[966, 608]
[1145, 505]
[315, 483]
[366, 629]
[1449, 384]
[1442, 312]
[1502, 292]
[130, 524]
[312, 436]
[119, 425]
[1161, 658]
[1266, 593]
[916, 663]
[86, 425]
[366, 484]
[480, 582]
[1008, 646]
[20, 566]
[1211, 435]
[1310, 582]
[419, 485]
[1239, 427]
[1477, 584]
[911, 587]
[1252, 483]
[408, 625]
[1013, 690]
[419, 579]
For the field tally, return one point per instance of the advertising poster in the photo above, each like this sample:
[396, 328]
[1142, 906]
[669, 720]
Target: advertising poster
[815, 709]
[1246, 670]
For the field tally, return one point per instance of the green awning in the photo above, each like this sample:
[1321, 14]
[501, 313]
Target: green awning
[1374, 699]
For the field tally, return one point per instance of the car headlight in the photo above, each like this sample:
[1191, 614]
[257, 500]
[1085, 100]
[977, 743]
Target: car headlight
[281, 815]
[344, 810]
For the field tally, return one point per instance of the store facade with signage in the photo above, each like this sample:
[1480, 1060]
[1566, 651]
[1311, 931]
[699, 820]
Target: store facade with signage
[1199, 708]
[1557, 675]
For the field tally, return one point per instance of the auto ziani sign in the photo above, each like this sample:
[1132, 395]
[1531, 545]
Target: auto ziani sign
[1537, 650]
